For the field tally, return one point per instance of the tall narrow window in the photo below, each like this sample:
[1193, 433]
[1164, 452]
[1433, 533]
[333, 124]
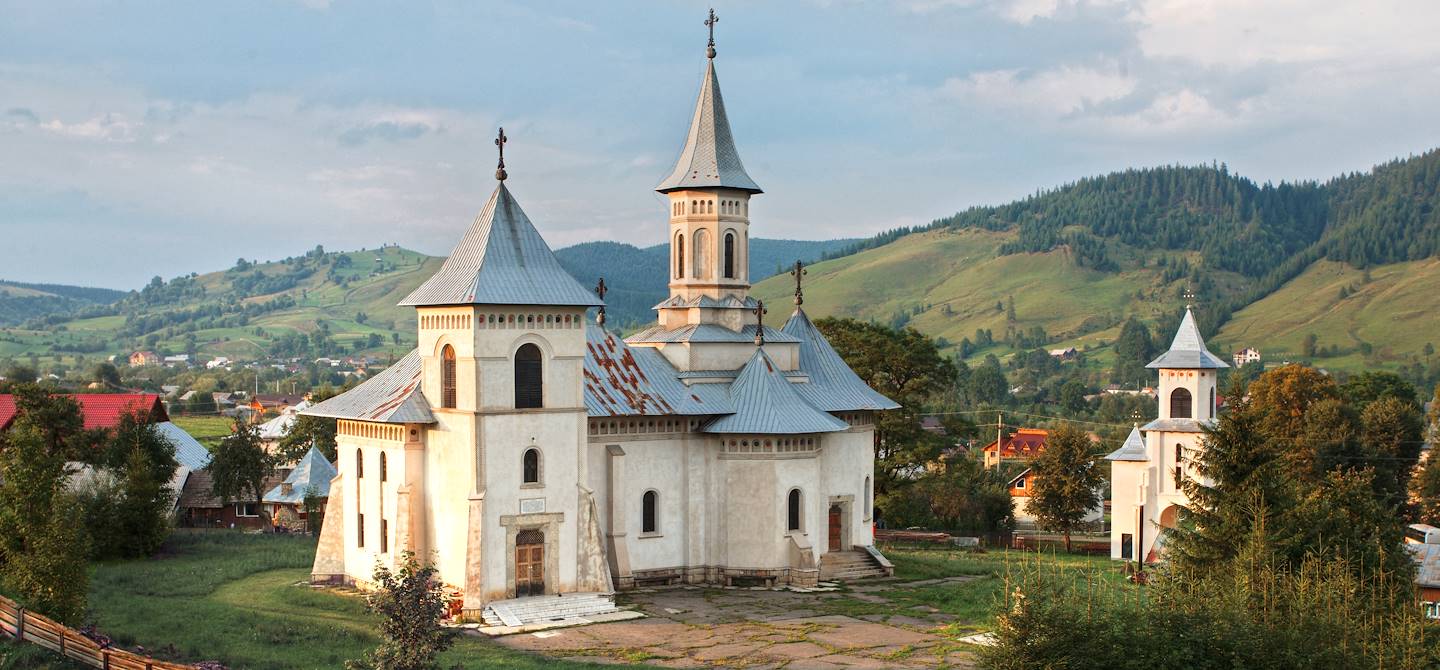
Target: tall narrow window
[680, 256]
[792, 519]
[360, 530]
[384, 536]
[447, 376]
[531, 466]
[359, 465]
[1180, 404]
[648, 513]
[701, 243]
[384, 468]
[729, 255]
[1212, 402]
[529, 390]
[868, 501]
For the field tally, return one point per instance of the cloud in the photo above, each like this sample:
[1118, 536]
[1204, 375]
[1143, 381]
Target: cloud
[1242, 33]
[21, 115]
[387, 130]
[1015, 11]
[108, 127]
[1062, 91]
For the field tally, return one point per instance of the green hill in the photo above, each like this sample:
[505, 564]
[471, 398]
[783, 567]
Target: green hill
[1267, 262]
[317, 304]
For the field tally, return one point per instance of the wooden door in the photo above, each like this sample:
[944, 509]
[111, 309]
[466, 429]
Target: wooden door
[835, 529]
[529, 563]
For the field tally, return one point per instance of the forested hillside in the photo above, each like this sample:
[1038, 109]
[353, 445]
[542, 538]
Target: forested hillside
[20, 302]
[1066, 266]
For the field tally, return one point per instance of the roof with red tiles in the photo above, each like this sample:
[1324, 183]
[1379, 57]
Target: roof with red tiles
[101, 410]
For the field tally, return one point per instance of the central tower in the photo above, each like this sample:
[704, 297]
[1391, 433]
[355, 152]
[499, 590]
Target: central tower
[709, 194]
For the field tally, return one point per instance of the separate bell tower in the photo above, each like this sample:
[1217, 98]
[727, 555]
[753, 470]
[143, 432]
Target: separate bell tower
[709, 195]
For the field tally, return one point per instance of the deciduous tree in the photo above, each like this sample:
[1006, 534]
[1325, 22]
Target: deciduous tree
[1065, 481]
[240, 466]
[411, 605]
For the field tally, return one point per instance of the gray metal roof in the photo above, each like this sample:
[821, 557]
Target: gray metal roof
[1427, 563]
[707, 332]
[1132, 450]
[709, 158]
[1178, 425]
[188, 451]
[502, 260]
[728, 302]
[833, 386]
[313, 471]
[392, 396]
[627, 381]
[767, 403]
[1187, 351]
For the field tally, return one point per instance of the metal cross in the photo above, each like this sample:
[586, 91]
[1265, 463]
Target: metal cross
[500, 142]
[1189, 297]
[797, 272]
[759, 312]
[601, 290]
[710, 23]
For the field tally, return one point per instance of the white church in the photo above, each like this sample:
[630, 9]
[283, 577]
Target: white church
[1148, 471]
[526, 450]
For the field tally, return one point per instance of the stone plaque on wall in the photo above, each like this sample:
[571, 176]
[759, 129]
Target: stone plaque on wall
[532, 505]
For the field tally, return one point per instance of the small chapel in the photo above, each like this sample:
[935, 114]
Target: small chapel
[1148, 471]
[525, 450]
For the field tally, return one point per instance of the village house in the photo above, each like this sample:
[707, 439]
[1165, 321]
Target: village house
[1246, 355]
[530, 451]
[1066, 354]
[1148, 471]
[286, 502]
[141, 359]
[1021, 445]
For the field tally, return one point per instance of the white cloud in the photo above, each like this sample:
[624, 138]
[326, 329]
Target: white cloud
[1243, 33]
[1062, 91]
[1182, 110]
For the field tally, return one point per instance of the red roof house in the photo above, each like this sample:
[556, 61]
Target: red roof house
[101, 410]
[1023, 444]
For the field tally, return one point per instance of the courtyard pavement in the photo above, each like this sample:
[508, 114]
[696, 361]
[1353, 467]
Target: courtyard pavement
[695, 627]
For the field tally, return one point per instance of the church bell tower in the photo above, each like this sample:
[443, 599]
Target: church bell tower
[709, 194]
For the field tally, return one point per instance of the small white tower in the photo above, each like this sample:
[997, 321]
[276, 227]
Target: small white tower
[1147, 477]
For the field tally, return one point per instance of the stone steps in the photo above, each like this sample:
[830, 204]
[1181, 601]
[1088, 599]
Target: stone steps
[539, 609]
[849, 566]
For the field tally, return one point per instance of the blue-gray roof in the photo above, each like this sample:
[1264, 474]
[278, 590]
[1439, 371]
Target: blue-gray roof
[709, 158]
[502, 260]
[728, 302]
[1187, 351]
[706, 332]
[767, 403]
[1179, 425]
[312, 473]
[833, 386]
[188, 451]
[1132, 450]
[392, 396]
[626, 381]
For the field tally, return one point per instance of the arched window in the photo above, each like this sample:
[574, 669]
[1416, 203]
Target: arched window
[359, 465]
[447, 376]
[868, 501]
[529, 388]
[792, 518]
[384, 468]
[532, 466]
[649, 515]
[729, 255]
[709, 206]
[680, 256]
[1180, 404]
[694, 206]
[702, 254]
[1212, 402]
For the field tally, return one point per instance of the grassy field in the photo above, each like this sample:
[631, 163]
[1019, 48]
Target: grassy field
[243, 600]
[208, 430]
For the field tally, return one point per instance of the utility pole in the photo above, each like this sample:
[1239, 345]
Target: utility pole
[999, 440]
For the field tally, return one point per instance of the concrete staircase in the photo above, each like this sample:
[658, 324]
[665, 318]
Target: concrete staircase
[546, 609]
[849, 566]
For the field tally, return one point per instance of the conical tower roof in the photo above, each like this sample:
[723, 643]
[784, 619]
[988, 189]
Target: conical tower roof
[833, 386]
[1132, 450]
[765, 402]
[709, 159]
[502, 260]
[1187, 350]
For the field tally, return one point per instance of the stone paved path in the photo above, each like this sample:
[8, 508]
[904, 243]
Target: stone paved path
[703, 627]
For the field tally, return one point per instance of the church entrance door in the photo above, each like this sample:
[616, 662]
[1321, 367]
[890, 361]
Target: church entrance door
[529, 563]
[835, 514]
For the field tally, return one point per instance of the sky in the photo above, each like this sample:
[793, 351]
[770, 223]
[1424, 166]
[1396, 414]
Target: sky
[159, 139]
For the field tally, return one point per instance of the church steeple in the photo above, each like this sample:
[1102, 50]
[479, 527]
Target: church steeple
[709, 193]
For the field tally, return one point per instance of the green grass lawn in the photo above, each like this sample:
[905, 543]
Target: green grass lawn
[208, 430]
[243, 600]
[973, 603]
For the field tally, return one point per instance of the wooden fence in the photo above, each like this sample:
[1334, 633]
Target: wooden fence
[16, 623]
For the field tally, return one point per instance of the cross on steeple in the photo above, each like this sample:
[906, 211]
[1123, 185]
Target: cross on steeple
[759, 313]
[797, 272]
[601, 290]
[1189, 297]
[710, 23]
[500, 168]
